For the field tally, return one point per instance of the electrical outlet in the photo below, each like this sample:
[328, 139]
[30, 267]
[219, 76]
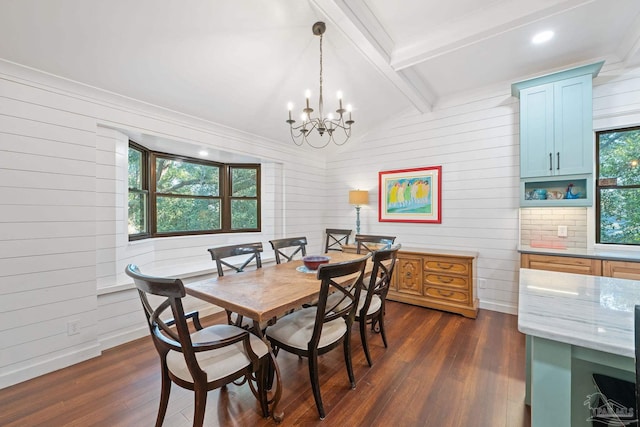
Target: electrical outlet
[562, 231]
[482, 283]
[73, 327]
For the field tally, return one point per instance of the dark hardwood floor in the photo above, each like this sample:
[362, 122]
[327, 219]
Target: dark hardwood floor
[440, 369]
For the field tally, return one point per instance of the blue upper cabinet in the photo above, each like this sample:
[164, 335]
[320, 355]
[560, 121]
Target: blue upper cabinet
[556, 123]
[536, 131]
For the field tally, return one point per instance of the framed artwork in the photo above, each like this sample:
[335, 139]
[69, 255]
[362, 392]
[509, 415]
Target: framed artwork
[410, 195]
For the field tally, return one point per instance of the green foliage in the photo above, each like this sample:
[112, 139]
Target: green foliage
[187, 214]
[178, 177]
[244, 182]
[244, 214]
[135, 168]
[189, 195]
[137, 213]
[619, 213]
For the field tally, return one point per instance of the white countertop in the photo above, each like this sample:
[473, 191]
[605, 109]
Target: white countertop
[588, 311]
[616, 255]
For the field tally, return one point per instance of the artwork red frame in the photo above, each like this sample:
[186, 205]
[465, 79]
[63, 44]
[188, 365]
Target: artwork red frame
[410, 195]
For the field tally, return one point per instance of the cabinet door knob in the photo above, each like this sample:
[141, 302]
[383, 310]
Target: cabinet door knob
[550, 161]
[558, 162]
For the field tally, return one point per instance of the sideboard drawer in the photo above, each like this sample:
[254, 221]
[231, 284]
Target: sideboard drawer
[446, 294]
[446, 265]
[448, 281]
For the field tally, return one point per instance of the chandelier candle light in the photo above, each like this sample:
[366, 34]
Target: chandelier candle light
[327, 125]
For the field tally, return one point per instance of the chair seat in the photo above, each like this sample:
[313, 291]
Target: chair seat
[375, 305]
[216, 363]
[295, 329]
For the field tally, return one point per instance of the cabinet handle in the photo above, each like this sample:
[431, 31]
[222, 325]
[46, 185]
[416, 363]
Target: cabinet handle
[443, 267]
[445, 279]
[550, 161]
[445, 293]
[558, 163]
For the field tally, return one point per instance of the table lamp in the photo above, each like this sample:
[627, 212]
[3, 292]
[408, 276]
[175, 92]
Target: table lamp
[358, 198]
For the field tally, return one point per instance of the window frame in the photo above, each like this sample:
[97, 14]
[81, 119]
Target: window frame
[144, 172]
[224, 195]
[599, 188]
[228, 189]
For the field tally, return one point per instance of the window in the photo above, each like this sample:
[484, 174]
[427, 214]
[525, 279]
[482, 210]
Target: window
[192, 196]
[618, 186]
[138, 193]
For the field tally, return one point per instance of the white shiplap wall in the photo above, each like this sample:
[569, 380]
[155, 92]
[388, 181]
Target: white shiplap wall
[63, 241]
[476, 143]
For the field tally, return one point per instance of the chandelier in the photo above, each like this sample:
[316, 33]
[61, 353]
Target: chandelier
[329, 128]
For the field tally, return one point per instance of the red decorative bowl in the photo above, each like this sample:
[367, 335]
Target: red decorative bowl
[312, 262]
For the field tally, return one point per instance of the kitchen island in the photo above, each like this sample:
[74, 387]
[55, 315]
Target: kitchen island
[576, 325]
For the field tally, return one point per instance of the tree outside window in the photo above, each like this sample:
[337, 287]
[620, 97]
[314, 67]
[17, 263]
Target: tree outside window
[191, 196]
[618, 186]
[138, 203]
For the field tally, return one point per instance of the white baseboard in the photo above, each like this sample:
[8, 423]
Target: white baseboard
[499, 307]
[28, 372]
[89, 351]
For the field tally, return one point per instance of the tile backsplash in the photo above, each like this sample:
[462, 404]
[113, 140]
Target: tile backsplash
[539, 227]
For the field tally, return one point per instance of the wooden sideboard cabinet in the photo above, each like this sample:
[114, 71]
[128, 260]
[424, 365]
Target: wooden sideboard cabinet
[433, 278]
[563, 264]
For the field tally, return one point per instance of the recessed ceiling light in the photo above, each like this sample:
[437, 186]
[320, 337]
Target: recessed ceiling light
[542, 37]
[204, 153]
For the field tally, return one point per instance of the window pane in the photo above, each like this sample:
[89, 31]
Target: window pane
[186, 214]
[619, 156]
[137, 213]
[244, 182]
[244, 214]
[619, 216]
[179, 177]
[135, 168]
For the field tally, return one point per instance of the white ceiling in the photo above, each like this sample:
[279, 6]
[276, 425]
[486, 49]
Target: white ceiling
[239, 62]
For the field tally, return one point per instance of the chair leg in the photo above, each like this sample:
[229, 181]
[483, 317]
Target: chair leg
[347, 359]
[263, 375]
[363, 337]
[164, 395]
[315, 384]
[200, 404]
[381, 323]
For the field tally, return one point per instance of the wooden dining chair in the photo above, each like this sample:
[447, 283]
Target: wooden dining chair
[335, 238]
[279, 246]
[222, 255]
[371, 243]
[202, 360]
[371, 309]
[313, 331]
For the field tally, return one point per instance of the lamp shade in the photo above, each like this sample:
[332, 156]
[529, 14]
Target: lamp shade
[358, 197]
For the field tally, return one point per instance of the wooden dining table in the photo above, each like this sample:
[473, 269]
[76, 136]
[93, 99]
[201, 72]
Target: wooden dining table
[267, 293]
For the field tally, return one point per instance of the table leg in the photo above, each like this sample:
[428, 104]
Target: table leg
[277, 416]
